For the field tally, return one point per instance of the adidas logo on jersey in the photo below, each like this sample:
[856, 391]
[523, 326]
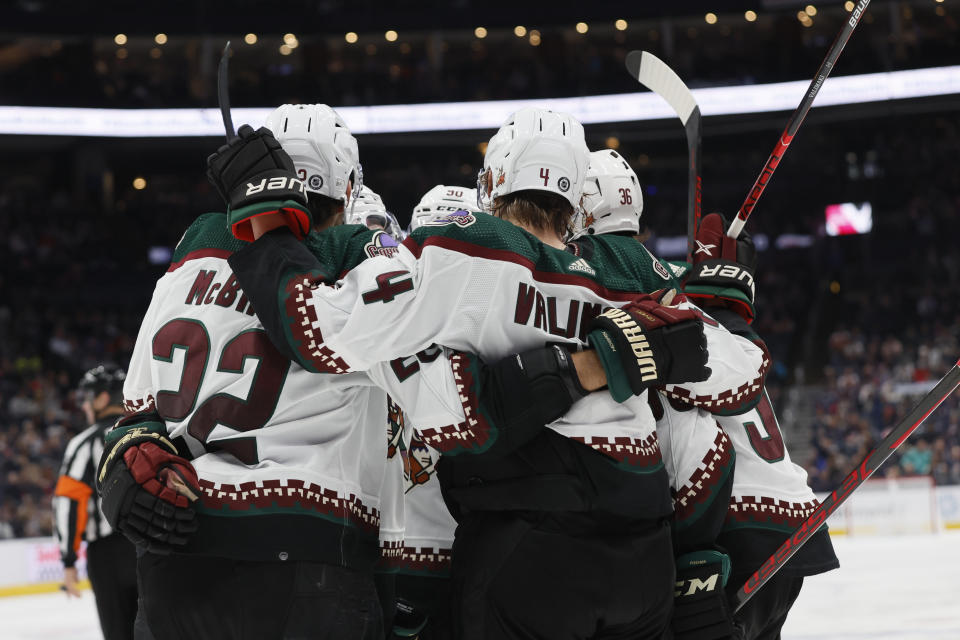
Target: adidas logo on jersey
[581, 265]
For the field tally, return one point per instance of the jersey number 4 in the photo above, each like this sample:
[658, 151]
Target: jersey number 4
[239, 414]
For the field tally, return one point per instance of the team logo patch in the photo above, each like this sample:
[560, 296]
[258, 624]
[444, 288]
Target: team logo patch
[315, 181]
[382, 244]
[581, 265]
[661, 270]
[460, 218]
[501, 178]
[563, 184]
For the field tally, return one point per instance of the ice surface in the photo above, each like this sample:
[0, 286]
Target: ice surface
[888, 588]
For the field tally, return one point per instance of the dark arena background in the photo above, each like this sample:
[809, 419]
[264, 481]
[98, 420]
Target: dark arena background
[108, 111]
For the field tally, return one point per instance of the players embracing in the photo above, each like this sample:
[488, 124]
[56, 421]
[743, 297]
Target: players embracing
[562, 497]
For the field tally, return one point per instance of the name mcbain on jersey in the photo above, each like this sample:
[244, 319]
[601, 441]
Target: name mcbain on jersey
[205, 291]
[542, 312]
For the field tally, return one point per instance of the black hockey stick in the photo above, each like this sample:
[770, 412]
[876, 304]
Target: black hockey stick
[864, 470]
[654, 74]
[797, 119]
[223, 95]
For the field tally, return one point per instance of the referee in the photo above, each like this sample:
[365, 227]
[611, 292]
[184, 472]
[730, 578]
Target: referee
[111, 560]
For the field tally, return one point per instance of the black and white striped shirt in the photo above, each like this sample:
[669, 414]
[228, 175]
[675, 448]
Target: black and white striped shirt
[76, 505]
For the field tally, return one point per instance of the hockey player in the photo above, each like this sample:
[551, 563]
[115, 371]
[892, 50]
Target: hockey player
[592, 486]
[239, 463]
[698, 456]
[368, 209]
[699, 447]
[111, 562]
[770, 495]
[440, 200]
[288, 471]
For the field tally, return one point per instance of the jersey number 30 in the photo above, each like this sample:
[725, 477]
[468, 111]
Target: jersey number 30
[240, 414]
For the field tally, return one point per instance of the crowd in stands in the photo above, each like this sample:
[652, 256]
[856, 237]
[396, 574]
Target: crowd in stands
[431, 65]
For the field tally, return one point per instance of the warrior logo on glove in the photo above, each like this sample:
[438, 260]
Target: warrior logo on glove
[633, 332]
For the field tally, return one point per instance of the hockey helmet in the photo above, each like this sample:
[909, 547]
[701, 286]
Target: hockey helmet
[104, 377]
[442, 199]
[323, 150]
[612, 199]
[540, 150]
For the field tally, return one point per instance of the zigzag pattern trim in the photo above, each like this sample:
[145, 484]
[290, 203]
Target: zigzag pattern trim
[474, 431]
[768, 510]
[290, 494]
[140, 404]
[633, 451]
[306, 337]
[729, 400]
[699, 489]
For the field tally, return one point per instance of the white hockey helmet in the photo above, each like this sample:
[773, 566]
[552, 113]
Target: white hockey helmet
[442, 199]
[369, 210]
[536, 149]
[612, 199]
[322, 148]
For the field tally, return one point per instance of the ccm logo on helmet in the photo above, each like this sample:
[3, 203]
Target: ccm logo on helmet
[277, 184]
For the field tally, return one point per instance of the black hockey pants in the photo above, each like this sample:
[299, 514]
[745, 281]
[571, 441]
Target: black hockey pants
[112, 569]
[190, 597]
[557, 575]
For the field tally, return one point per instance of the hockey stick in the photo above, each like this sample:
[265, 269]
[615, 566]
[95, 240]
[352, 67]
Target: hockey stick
[223, 96]
[864, 470]
[654, 74]
[797, 119]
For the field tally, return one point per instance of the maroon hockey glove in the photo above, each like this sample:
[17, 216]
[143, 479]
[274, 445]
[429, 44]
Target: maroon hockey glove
[722, 271]
[256, 177]
[645, 344]
[145, 486]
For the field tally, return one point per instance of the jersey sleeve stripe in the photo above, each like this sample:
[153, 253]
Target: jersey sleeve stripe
[198, 254]
[503, 255]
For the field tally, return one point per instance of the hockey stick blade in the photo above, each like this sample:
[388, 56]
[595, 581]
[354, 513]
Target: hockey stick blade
[854, 479]
[796, 119]
[223, 95]
[654, 74]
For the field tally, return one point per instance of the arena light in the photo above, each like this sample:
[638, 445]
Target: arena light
[351, 37]
[750, 16]
[160, 38]
[621, 25]
[480, 32]
[459, 116]
[250, 38]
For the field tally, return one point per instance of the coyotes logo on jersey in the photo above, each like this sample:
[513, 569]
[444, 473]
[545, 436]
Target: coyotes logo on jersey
[418, 464]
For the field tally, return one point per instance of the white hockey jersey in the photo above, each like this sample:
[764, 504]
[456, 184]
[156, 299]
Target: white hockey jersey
[479, 284]
[291, 464]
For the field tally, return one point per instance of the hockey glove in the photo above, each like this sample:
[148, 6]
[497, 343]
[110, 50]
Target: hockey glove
[722, 271]
[145, 486]
[256, 177]
[646, 344]
[700, 607]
